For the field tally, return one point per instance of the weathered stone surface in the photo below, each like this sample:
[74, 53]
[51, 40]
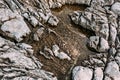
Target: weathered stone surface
[102, 2]
[113, 26]
[14, 62]
[7, 14]
[79, 73]
[60, 3]
[58, 54]
[116, 8]
[97, 43]
[97, 62]
[98, 74]
[48, 53]
[15, 28]
[93, 19]
[38, 34]
[112, 70]
[30, 44]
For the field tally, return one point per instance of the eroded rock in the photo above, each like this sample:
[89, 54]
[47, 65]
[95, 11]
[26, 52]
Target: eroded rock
[61, 55]
[112, 70]
[18, 18]
[14, 62]
[16, 29]
[60, 3]
[97, 43]
[98, 74]
[79, 73]
[116, 8]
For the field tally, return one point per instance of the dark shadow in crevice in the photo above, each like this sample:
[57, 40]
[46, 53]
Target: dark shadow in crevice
[73, 7]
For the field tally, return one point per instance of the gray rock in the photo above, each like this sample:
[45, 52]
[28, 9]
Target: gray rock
[49, 18]
[34, 21]
[117, 58]
[112, 70]
[101, 2]
[17, 63]
[107, 78]
[7, 14]
[32, 14]
[15, 28]
[97, 43]
[97, 20]
[26, 47]
[60, 3]
[79, 73]
[98, 74]
[55, 52]
[112, 51]
[53, 20]
[61, 55]
[116, 8]
[38, 34]
[47, 53]
[112, 18]
[94, 19]
[97, 62]
[18, 59]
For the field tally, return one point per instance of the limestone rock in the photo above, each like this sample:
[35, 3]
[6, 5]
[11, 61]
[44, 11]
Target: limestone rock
[30, 44]
[98, 74]
[58, 54]
[38, 34]
[53, 20]
[16, 29]
[7, 14]
[112, 70]
[79, 73]
[60, 3]
[116, 8]
[97, 43]
[97, 62]
[93, 19]
[102, 2]
[26, 47]
[15, 60]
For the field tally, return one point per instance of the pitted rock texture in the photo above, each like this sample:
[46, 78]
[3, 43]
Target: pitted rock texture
[103, 20]
[98, 44]
[17, 63]
[59, 40]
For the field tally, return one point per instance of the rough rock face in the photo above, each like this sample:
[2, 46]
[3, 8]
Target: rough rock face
[116, 8]
[14, 60]
[60, 3]
[102, 20]
[112, 71]
[79, 73]
[52, 39]
[98, 43]
[98, 74]
[15, 28]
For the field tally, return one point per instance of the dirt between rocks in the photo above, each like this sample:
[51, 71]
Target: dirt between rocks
[68, 36]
